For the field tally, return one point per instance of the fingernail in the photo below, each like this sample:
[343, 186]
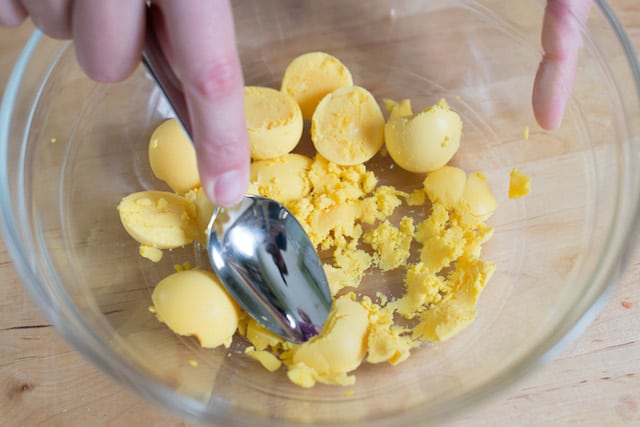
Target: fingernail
[230, 187]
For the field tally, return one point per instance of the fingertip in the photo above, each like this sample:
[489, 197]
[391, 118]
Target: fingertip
[226, 188]
[12, 14]
[96, 69]
[551, 90]
[108, 38]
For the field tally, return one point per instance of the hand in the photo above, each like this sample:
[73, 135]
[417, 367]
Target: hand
[199, 41]
[561, 41]
[108, 37]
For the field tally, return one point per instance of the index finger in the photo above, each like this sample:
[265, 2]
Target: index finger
[202, 49]
[561, 42]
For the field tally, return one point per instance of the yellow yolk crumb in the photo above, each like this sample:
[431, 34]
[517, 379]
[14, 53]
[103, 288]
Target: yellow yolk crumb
[274, 122]
[398, 109]
[519, 184]
[386, 341]
[525, 133]
[270, 362]
[193, 302]
[441, 321]
[193, 363]
[350, 265]
[347, 127]
[415, 198]
[150, 253]
[182, 267]
[173, 158]
[390, 244]
[423, 142]
[312, 76]
[261, 337]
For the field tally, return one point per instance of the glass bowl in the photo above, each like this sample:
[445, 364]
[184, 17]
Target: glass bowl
[71, 148]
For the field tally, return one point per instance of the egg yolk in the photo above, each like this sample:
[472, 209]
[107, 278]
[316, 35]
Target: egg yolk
[274, 122]
[311, 76]
[426, 141]
[173, 158]
[346, 212]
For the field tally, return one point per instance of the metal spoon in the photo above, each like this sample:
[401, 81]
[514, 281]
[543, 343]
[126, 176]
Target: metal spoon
[258, 249]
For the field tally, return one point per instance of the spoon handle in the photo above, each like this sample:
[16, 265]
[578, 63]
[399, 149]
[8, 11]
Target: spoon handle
[154, 59]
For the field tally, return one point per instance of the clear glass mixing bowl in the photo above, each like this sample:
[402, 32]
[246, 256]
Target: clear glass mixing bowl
[70, 149]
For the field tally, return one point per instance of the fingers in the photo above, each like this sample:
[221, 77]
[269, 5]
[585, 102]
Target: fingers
[12, 13]
[53, 17]
[108, 37]
[202, 49]
[561, 42]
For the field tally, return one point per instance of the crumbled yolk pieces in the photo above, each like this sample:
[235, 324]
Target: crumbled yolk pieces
[441, 289]
[391, 244]
[345, 211]
[151, 253]
[268, 360]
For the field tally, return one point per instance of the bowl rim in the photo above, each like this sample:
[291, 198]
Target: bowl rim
[78, 334]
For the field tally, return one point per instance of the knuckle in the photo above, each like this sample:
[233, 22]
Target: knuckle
[223, 153]
[217, 79]
[225, 150]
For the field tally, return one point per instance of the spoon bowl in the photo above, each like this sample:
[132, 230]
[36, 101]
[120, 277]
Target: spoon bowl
[264, 258]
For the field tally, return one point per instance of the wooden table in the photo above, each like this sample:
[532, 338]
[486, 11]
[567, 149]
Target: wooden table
[595, 381]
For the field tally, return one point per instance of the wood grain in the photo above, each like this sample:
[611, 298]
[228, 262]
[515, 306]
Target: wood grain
[594, 381]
